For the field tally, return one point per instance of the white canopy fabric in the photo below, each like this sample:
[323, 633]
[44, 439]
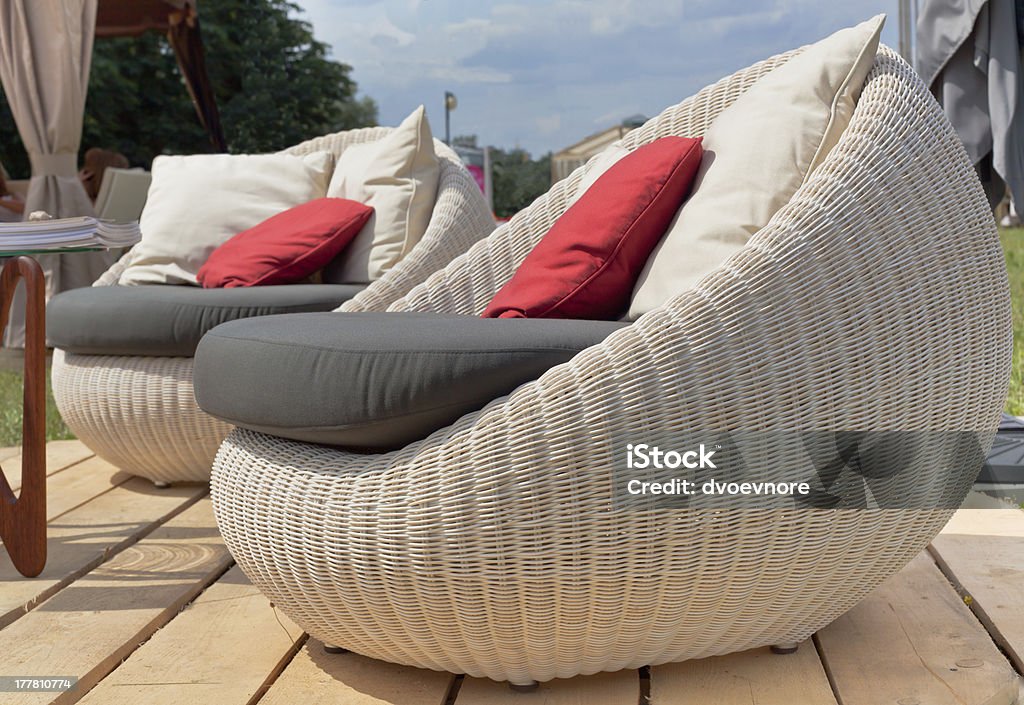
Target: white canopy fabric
[45, 56]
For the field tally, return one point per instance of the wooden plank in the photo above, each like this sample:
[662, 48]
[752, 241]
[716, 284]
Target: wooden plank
[89, 627]
[83, 538]
[621, 688]
[60, 455]
[981, 551]
[914, 641]
[317, 678]
[756, 677]
[80, 484]
[221, 650]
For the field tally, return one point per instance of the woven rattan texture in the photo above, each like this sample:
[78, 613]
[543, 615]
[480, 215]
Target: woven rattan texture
[140, 414]
[877, 297]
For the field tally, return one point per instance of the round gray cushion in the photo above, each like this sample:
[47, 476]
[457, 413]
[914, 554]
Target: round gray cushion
[374, 381]
[168, 321]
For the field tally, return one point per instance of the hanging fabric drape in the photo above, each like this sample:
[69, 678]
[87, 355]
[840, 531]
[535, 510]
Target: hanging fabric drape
[969, 53]
[45, 56]
[185, 38]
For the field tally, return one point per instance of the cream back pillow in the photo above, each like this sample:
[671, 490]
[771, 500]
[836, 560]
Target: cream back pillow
[197, 203]
[757, 153]
[398, 177]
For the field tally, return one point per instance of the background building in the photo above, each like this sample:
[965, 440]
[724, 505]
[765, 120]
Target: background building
[564, 162]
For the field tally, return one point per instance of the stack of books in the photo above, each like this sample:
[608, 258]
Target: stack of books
[82, 233]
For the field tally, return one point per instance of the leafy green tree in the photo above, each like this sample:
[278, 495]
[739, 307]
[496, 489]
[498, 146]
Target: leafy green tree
[275, 86]
[518, 180]
[137, 102]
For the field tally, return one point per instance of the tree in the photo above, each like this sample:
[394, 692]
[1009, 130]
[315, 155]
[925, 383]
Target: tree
[137, 101]
[518, 180]
[275, 85]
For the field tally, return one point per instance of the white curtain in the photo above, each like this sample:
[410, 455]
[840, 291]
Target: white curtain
[45, 55]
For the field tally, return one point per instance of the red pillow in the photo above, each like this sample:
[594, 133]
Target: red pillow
[587, 264]
[287, 247]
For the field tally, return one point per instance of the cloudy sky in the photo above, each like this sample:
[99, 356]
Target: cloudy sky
[542, 74]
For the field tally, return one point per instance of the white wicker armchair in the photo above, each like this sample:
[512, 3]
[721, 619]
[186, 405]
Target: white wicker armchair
[140, 414]
[876, 295]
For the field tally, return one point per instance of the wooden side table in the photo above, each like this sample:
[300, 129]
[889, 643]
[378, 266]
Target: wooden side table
[23, 518]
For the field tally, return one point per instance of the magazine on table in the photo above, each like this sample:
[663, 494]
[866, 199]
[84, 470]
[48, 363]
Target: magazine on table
[83, 232]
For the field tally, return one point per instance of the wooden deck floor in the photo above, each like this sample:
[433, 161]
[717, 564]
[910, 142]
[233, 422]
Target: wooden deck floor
[141, 601]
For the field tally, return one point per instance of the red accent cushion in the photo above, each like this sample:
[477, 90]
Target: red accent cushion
[587, 264]
[287, 247]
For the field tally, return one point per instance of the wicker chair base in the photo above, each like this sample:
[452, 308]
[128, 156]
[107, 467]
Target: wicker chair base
[392, 565]
[138, 413]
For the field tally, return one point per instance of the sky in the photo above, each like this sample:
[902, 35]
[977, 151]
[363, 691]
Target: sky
[543, 74]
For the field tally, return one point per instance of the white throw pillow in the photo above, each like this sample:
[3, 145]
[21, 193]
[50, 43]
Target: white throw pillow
[398, 177]
[197, 203]
[757, 153]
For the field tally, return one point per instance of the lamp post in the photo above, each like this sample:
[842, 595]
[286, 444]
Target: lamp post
[907, 19]
[450, 103]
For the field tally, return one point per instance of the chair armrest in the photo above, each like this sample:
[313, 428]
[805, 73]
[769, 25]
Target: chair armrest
[460, 219]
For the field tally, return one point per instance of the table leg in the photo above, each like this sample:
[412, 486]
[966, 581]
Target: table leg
[23, 519]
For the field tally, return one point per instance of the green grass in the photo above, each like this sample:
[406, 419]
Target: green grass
[10, 412]
[1013, 246]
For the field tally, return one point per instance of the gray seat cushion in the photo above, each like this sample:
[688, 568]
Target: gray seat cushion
[374, 381]
[168, 321]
